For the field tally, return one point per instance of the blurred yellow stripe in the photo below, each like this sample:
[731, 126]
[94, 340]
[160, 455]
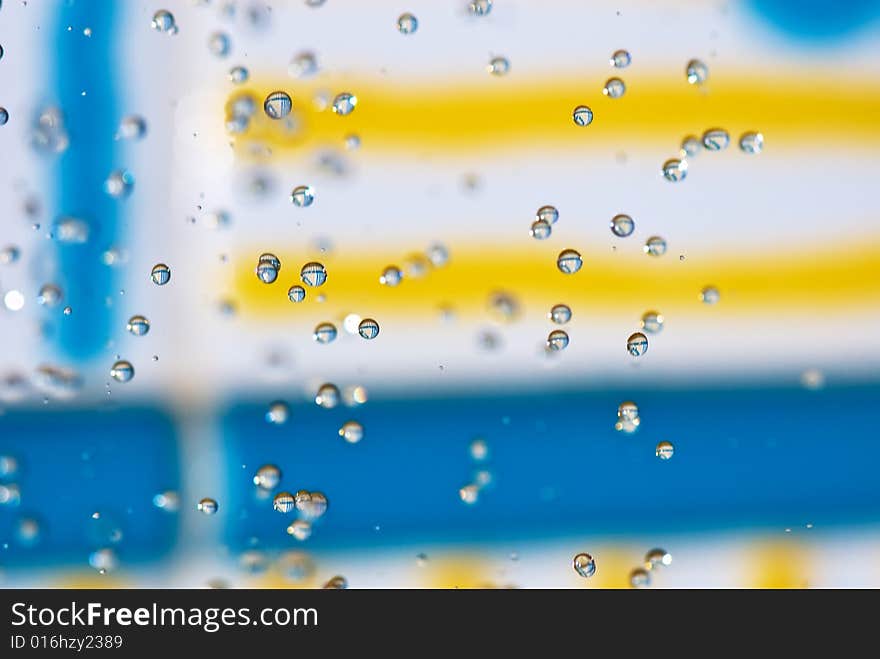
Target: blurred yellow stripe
[793, 110]
[841, 275]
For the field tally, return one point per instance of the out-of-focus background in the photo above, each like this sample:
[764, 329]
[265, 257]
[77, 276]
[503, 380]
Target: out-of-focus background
[130, 138]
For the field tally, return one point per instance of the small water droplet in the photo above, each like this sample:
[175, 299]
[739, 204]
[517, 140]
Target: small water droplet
[716, 139]
[560, 314]
[344, 103]
[569, 261]
[655, 246]
[122, 371]
[665, 450]
[277, 105]
[407, 23]
[622, 225]
[620, 59]
[637, 344]
[675, 169]
[582, 115]
[138, 325]
[160, 274]
[697, 72]
[751, 143]
[584, 565]
[614, 88]
[207, 506]
[498, 66]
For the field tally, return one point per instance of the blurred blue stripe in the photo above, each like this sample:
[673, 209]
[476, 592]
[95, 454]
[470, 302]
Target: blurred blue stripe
[743, 458]
[87, 64]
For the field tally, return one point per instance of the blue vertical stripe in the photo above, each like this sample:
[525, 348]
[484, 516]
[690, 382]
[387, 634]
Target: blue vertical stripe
[86, 64]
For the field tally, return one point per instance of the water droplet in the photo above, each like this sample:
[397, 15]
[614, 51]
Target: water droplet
[8, 466]
[311, 504]
[207, 506]
[479, 449]
[710, 295]
[652, 322]
[304, 65]
[620, 59]
[540, 230]
[119, 184]
[300, 529]
[122, 371]
[50, 133]
[637, 344]
[344, 103]
[584, 565]
[655, 246]
[622, 225]
[557, 340]
[569, 261]
[716, 139]
[267, 477]
[302, 196]
[498, 66]
[160, 274]
[675, 170]
[277, 413]
[628, 410]
[469, 494]
[352, 432]
[614, 88]
[10, 495]
[665, 450]
[238, 75]
[582, 115]
[812, 379]
[169, 501]
[503, 306]
[696, 72]
[368, 328]
[352, 142]
[437, 254]
[267, 268]
[67, 311]
[391, 276]
[163, 21]
[49, 296]
[336, 583]
[480, 7]
[219, 44]
[277, 105]
[325, 332]
[560, 314]
[656, 558]
[639, 578]
[4, 116]
[751, 142]
[313, 274]
[421, 560]
[690, 146]
[327, 396]
[283, 502]
[296, 293]
[548, 214]
[132, 127]
[407, 23]
[103, 560]
[138, 325]
[9, 254]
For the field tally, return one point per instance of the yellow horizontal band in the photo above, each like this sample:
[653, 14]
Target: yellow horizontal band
[842, 275]
[792, 110]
